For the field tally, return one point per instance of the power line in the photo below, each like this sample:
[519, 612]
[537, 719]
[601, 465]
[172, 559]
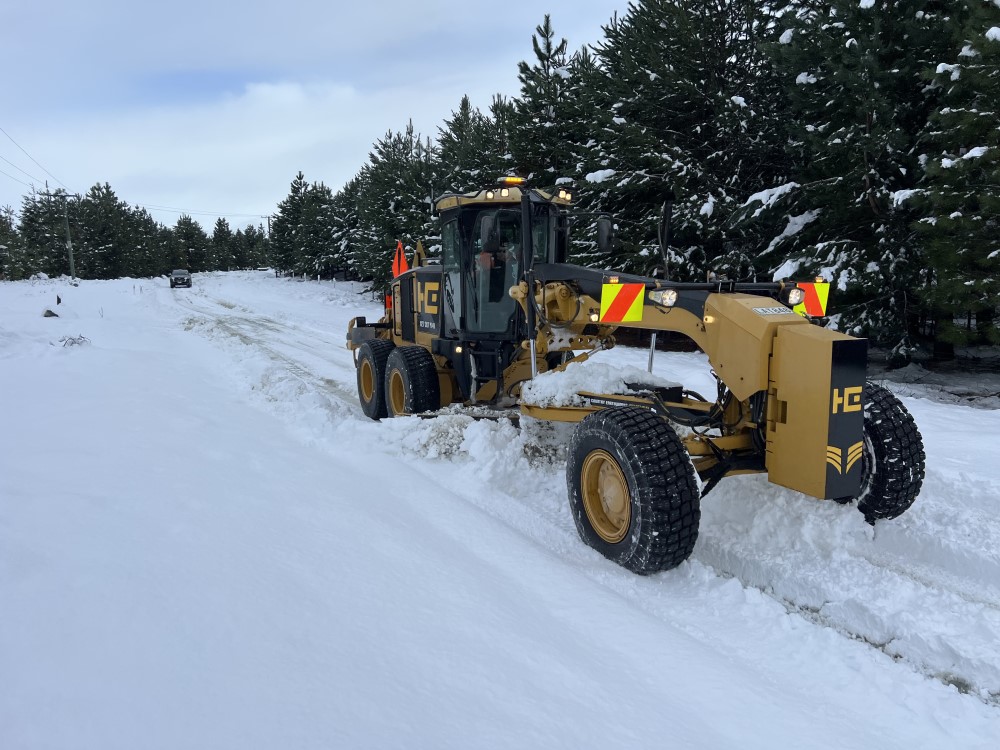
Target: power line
[202, 213]
[21, 170]
[33, 159]
[15, 179]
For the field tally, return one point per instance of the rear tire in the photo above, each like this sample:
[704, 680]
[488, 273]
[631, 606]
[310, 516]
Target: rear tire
[411, 382]
[372, 357]
[633, 490]
[893, 458]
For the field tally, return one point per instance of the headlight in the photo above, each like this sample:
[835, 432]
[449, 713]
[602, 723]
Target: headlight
[794, 296]
[665, 297]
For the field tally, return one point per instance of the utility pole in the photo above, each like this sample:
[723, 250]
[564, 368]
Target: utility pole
[69, 240]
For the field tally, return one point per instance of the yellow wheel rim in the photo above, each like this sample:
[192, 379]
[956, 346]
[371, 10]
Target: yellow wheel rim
[397, 393]
[605, 496]
[367, 381]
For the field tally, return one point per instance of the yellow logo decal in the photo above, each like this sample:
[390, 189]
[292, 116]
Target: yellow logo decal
[427, 297]
[853, 454]
[850, 400]
[834, 456]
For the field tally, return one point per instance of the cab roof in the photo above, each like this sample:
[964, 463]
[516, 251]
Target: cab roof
[499, 195]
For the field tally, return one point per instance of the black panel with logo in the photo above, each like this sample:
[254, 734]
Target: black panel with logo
[845, 442]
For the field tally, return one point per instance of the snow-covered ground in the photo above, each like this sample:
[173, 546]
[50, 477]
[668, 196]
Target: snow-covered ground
[204, 544]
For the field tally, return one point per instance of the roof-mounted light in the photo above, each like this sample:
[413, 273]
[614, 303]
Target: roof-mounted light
[510, 181]
[565, 195]
[489, 195]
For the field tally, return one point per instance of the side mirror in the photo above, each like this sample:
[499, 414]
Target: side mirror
[489, 242]
[605, 234]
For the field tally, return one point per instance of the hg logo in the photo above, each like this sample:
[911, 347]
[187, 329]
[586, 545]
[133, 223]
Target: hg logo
[849, 400]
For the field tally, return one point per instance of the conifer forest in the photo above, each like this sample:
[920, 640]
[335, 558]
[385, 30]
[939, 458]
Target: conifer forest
[793, 139]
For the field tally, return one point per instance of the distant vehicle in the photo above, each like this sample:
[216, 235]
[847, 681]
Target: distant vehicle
[180, 277]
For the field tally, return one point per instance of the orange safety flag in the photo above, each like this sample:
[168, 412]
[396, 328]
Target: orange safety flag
[399, 264]
[622, 303]
[814, 304]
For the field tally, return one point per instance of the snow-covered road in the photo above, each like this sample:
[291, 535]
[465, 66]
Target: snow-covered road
[203, 543]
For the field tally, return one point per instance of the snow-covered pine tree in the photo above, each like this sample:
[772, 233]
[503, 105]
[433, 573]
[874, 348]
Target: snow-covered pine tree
[43, 235]
[10, 246]
[392, 202]
[499, 158]
[959, 199]
[223, 245]
[191, 244]
[682, 85]
[285, 227]
[344, 249]
[857, 106]
[540, 140]
[96, 234]
[463, 141]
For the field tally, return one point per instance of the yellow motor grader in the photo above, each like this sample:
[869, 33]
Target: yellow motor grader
[503, 304]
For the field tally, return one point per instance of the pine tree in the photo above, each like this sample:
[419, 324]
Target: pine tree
[43, 235]
[960, 197]
[686, 114]
[285, 228]
[464, 141]
[191, 245]
[10, 246]
[223, 246]
[857, 106]
[316, 235]
[149, 256]
[103, 245]
[539, 139]
[391, 202]
[343, 254]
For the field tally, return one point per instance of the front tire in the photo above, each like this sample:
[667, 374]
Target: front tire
[633, 490]
[372, 358]
[893, 458]
[411, 382]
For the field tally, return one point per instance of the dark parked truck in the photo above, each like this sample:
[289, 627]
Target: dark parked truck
[180, 277]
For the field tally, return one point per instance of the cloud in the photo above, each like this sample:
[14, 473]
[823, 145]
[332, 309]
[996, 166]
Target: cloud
[195, 106]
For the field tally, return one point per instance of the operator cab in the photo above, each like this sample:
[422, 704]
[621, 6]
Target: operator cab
[484, 254]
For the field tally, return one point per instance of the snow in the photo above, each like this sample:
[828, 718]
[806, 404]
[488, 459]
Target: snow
[804, 78]
[993, 34]
[768, 197]
[795, 225]
[786, 36]
[203, 543]
[867, 4]
[901, 196]
[955, 70]
[972, 153]
[600, 175]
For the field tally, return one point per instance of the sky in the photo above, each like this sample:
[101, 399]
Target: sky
[211, 108]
